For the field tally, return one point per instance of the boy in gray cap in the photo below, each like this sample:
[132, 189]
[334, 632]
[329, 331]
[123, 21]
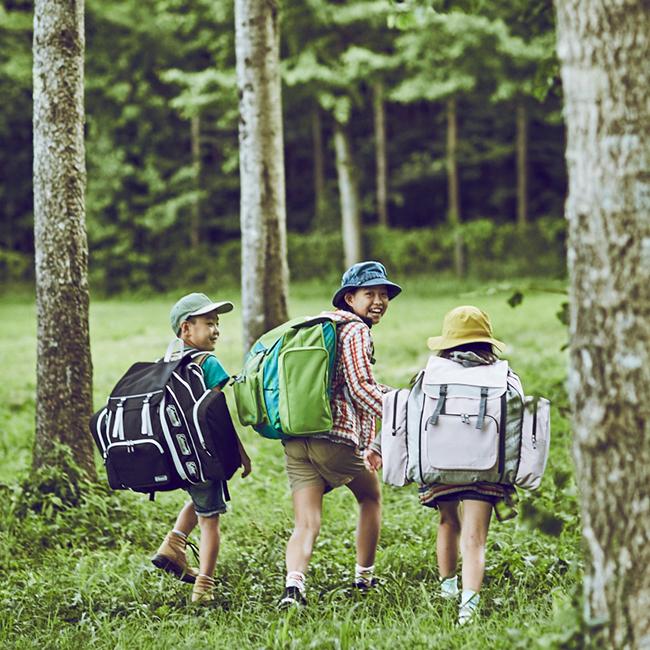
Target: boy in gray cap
[195, 320]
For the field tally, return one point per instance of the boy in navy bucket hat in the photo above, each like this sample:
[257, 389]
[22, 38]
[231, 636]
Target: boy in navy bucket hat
[317, 464]
[364, 274]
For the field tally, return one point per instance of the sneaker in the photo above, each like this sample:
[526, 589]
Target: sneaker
[292, 597]
[449, 588]
[364, 585]
[467, 611]
[171, 558]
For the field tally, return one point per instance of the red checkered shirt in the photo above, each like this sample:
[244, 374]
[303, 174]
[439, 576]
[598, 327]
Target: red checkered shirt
[356, 396]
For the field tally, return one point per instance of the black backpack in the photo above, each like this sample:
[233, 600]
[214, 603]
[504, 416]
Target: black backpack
[162, 429]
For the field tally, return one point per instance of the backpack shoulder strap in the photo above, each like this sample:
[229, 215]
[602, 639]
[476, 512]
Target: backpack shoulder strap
[200, 358]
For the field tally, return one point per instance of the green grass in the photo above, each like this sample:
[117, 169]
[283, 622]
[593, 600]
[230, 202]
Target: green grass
[80, 576]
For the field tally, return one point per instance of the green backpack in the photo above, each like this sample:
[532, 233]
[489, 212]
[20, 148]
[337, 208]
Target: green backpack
[284, 388]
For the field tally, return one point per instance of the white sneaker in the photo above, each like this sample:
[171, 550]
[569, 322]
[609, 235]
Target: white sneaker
[449, 588]
[468, 609]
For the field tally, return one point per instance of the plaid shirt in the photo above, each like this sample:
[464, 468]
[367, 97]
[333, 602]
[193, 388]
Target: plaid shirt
[356, 396]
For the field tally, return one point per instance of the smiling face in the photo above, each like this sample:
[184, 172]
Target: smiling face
[369, 302]
[201, 332]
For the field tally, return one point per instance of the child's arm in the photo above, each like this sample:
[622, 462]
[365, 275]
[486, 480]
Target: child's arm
[245, 460]
[364, 390]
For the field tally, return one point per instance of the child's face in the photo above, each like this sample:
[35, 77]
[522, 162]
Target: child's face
[201, 332]
[369, 302]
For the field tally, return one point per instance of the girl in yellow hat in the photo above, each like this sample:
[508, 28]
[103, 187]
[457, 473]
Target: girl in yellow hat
[467, 339]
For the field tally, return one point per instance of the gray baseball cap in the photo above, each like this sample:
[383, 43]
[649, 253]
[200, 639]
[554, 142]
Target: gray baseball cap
[196, 304]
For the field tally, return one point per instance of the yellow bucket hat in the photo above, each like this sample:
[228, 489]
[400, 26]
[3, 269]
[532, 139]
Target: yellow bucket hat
[466, 324]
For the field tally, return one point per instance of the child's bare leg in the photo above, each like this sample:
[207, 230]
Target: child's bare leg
[473, 538]
[367, 491]
[186, 520]
[209, 547]
[448, 536]
[307, 509]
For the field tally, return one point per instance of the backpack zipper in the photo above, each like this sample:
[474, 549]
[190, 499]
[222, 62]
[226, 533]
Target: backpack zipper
[133, 443]
[123, 398]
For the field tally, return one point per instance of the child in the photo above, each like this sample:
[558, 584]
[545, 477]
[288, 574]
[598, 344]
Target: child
[467, 339]
[195, 320]
[315, 465]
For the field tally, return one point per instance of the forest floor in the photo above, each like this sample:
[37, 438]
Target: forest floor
[74, 565]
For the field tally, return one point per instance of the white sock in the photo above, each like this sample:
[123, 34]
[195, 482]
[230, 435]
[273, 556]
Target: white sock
[449, 586]
[364, 573]
[469, 598]
[180, 533]
[296, 579]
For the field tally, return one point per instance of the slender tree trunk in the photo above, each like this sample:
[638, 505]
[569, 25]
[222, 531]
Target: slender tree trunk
[265, 274]
[63, 368]
[319, 166]
[381, 155]
[453, 191]
[604, 49]
[350, 211]
[522, 164]
[195, 221]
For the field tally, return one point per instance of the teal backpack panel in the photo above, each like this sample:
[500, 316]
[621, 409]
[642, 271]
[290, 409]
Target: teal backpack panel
[284, 389]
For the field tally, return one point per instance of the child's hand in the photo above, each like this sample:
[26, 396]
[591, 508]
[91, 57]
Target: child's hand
[372, 460]
[245, 463]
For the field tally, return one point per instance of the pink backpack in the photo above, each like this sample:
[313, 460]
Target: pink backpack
[460, 425]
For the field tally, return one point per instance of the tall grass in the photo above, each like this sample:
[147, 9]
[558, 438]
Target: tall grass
[75, 571]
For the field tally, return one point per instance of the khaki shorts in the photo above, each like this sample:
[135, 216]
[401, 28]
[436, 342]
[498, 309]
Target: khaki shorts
[317, 461]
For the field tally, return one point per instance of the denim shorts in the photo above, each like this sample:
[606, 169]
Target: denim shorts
[209, 498]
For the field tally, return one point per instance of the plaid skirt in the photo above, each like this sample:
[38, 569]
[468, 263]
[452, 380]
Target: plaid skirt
[429, 495]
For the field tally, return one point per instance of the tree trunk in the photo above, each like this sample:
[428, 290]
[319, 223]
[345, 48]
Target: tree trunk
[604, 49]
[265, 274]
[381, 156]
[63, 368]
[319, 167]
[350, 211]
[453, 191]
[195, 221]
[522, 164]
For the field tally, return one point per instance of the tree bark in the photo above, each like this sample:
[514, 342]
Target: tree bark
[63, 368]
[195, 220]
[381, 156]
[453, 190]
[522, 164]
[265, 274]
[350, 211]
[604, 49]
[319, 166]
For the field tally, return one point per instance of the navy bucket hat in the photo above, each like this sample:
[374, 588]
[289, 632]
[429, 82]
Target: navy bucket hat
[364, 274]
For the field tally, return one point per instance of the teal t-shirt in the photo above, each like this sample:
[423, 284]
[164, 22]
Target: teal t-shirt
[214, 374]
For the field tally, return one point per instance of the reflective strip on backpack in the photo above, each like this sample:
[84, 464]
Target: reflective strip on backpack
[195, 416]
[98, 428]
[187, 428]
[170, 443]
